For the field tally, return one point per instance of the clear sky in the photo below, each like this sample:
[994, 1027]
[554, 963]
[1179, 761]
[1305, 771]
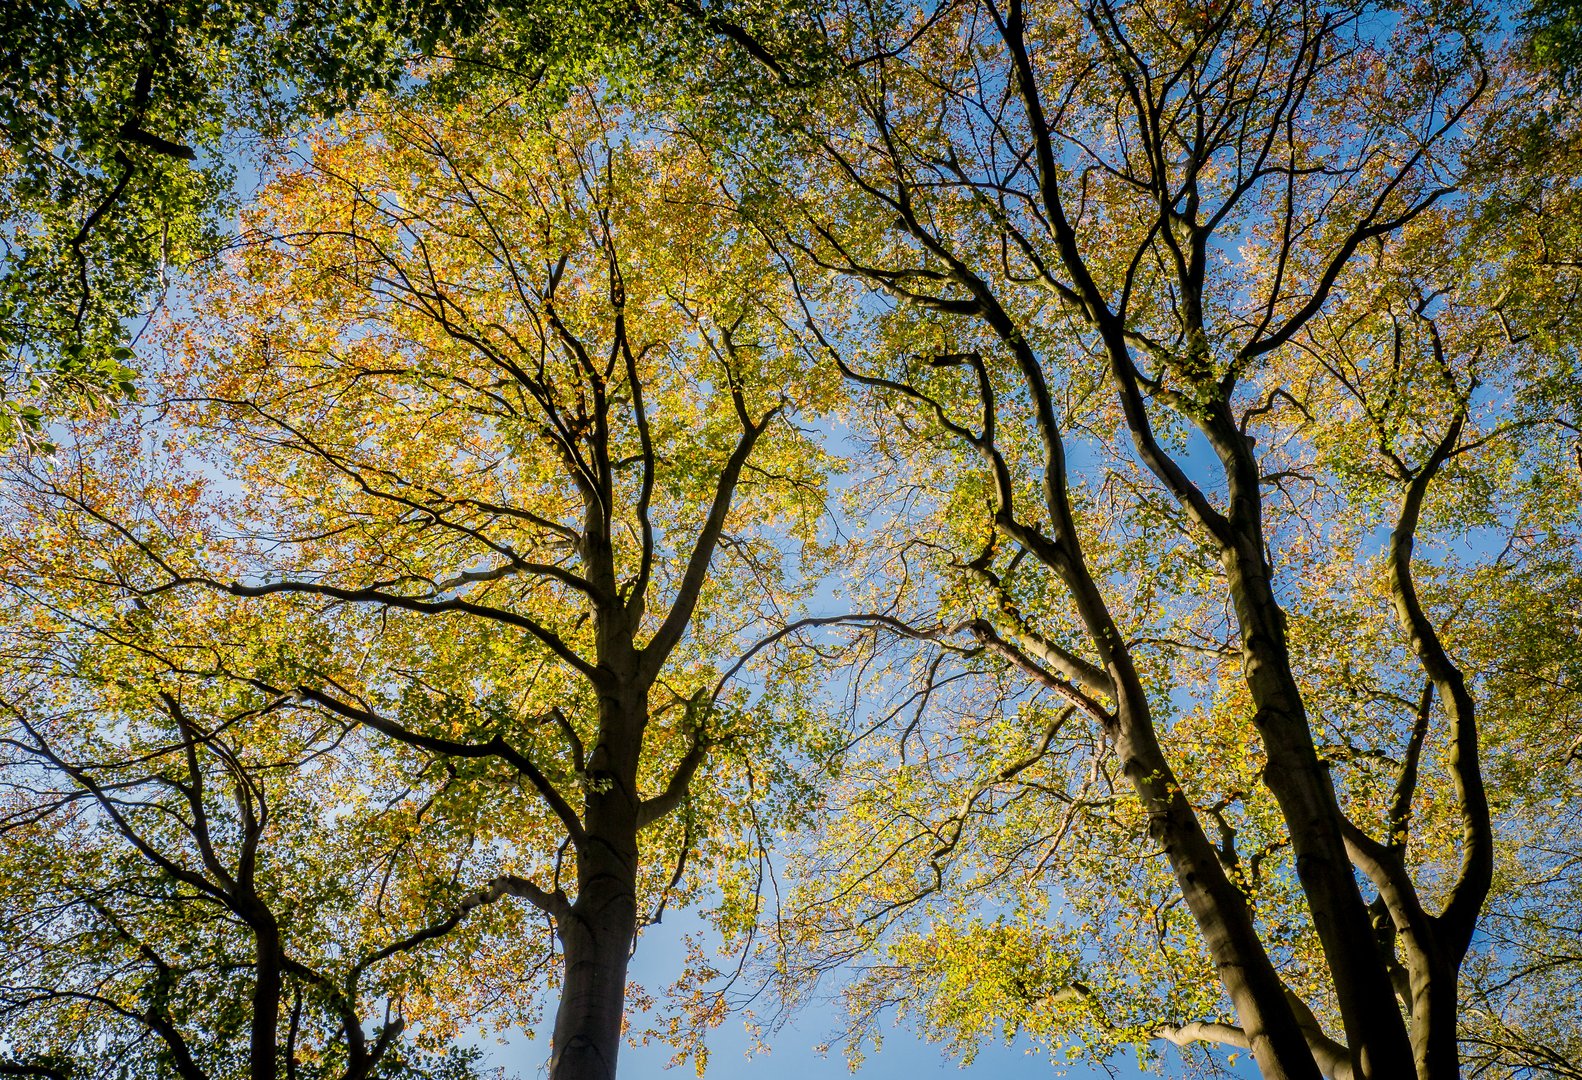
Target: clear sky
[793, 1054]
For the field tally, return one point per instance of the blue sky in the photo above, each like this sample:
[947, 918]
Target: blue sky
[793, 1051]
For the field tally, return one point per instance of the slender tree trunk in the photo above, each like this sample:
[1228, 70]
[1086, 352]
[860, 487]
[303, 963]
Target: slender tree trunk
[1273, 1033]
[1272, 1030]
[267, 992]
[1302, 786]
[1299, 780]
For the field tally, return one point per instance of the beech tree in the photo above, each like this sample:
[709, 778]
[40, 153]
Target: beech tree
[1220, 536]
[205, 881]
[123, 124]
[497, 410]
[1202, 379]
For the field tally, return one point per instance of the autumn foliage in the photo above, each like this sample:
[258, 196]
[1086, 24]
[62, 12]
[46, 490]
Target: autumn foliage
[1046, 521]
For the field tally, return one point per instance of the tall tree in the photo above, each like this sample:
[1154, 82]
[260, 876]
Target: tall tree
[504, 411]
[1149, 285]
[206, 881]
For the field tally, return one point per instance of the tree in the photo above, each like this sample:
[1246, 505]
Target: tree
[205, 881]
[124, 122]
[1518, 1020]
[1552, 28]
[1176, 307]
[498, 412]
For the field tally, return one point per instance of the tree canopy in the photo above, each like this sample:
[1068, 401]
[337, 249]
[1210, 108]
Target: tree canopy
[1054, 520]
[126, 124]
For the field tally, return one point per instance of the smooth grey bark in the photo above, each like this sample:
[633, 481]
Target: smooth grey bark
[596, 934]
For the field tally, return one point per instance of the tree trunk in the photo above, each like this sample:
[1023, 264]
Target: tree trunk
[597, 940]
[596, 937]
[1301, 785]
[1298, 779]
[267, 991]
[1273, 1033]
[1436, 1053]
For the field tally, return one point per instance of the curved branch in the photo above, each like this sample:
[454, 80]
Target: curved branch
[1477, 857]
[551, 903]
[1067, 689]
[495, 747]
[375, 595]
[688, 591]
